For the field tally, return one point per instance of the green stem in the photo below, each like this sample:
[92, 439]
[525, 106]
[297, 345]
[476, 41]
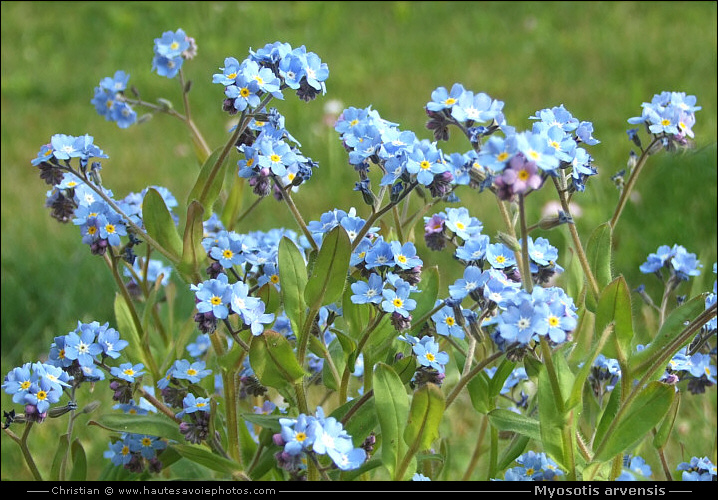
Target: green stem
[477, 450]
[464, 379]
[26, 452]
[552, 375]
[111, 261]
[578, 247]
[631, 182]
[525, 263]
[230, 397]
[295, 212]
[199, 140]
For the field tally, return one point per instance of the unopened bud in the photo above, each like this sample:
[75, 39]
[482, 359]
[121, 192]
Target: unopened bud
[509, 241]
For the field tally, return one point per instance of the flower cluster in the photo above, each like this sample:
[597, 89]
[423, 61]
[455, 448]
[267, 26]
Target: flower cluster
[404, 161]
[170, 51]
[697, 369]
[269, 153]
[634, 466]
[534, 467]
[679, 263]
[319, 435]
[37, 386]
[669, 115]
[698, 469]
[109, 100]
[268, 71]
[135, 451]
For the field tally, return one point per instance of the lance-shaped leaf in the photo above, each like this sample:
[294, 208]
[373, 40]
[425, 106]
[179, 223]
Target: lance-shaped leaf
[273, 360]
[392, 410]
[643, 413]
[329, 273]
[235, 197]
[641, 361]
[160, 224]
[511, 452]
[552, 408]
[664, 431]
[152, 425]
[193, 253]
[79, 462]
[506, 420]
[60, 456]
[496, 383]
[478, 388]
[206, 458]
[209, 181]
[127, 329]
[585, 370]
[598, 253]
[427, 409]
[293, 279]
[614, 306]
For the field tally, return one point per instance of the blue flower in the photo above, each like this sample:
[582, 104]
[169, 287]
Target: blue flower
[193, 372]
[42, 393]
[425, 161]
[298, 434]
[427, 354]
[127, 371]
[380, 254]
[462, 224]
[500, 256]
[213, 296]
[473, 278]
[119, 452]
[443, 99]
[192, 404]
[519, 323]
[405, 255]
[698, 469]
[368, 291]
[147, 446]
[18, 381]
[446, 323]
[398, 301]
[80, 345]
[255, 318]
[171, 44]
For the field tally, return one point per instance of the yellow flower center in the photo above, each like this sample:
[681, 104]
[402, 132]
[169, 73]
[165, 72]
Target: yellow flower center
[275, 158]
[397, 302]
[215, 301]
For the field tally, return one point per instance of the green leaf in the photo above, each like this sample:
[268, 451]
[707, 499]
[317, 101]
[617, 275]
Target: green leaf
[362, 422]
[506, 420]
[152, 425]
[664, 431]
[614, 306]
[427, 409]
[608, 414]
[641, 361]
[496, 383]
[230, 212]
[598, 253]
[206, 458]
[552, 410]
[128, 331]
[293, 280]
[160, 224]
[644, 412]
[478, 388]
[355, 316]
[60, 453]
[79, 462]
[511, 452]
[392, 410]
[193, 253]
[273, 360]
[329, 274]
[575, 396]
[206, 190]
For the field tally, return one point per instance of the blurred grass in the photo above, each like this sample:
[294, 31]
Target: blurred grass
[600, 59]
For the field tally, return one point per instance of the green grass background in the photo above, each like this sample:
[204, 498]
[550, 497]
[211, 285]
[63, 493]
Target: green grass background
[600, 59]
